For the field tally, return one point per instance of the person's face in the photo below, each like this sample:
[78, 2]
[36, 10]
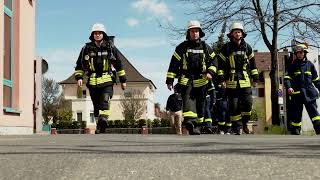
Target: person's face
[300, 54]
[98, 35]
[194, 34]
[236, 34]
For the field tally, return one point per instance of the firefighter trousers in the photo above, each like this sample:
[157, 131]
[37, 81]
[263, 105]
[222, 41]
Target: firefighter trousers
[101, 105]
[224, 123]
[296, 108]
[240, 104]
[193, 104]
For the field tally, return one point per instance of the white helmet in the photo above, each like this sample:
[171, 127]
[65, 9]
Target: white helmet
[98, 27]
[194, 24]
[301, 47]
[239, 26]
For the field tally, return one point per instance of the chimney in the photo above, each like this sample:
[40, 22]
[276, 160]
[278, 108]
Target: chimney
[256, 50]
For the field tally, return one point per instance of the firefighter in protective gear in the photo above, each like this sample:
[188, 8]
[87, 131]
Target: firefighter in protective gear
[300, 80]
[97, 59]
[236, 69]
[209, 115]
[193, 65]
[224, 123]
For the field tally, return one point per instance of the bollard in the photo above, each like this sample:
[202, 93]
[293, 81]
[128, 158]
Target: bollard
[144, 130]
[54, 131]
[87, 131]
[184, 131]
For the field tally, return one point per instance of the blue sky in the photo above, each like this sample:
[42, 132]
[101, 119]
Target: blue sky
[62, 28]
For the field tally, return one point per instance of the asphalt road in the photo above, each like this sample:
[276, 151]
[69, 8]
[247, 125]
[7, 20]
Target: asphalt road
[123, 156]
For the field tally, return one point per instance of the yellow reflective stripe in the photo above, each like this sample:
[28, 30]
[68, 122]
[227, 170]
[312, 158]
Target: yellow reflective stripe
[176, 55]
[244, 83]
[232, 63]
[183, 81]
[317, 118]
[212, 55]
[92, 65]
[200, 119]
[220, 72]
[105, 65]
[212, 88]
[79, 72]
[171, 75]
[235, 118]
[104, 112]
[221, 123]
[287, 77]
[212, 68]
[189, 114]
[296, 124]
[296, 92]
[222, 57]
[246, 113]
[100, 80]
[254, 72]
[296, 73]
[200, 82]
[121, 73]
[251, 56]
[208, 120]
[229, 124]
[308, 73]
[231, 84]
[316, 79]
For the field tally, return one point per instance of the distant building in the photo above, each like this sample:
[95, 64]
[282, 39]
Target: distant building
[82, 108]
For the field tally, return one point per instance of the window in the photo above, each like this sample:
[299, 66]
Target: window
[79, 116]
[260, 92]
[8, 56]
[92, 117]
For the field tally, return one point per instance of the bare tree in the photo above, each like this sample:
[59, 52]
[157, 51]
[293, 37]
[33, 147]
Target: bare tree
[50, 98]
[133, 105]
[276, 22]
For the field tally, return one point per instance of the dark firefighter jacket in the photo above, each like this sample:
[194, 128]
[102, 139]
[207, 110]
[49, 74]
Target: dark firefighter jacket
[237, 65]
[302, 77]
[190, 62]
[100, 63]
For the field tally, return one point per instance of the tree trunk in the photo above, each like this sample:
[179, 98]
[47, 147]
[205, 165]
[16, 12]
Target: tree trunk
[274, 88]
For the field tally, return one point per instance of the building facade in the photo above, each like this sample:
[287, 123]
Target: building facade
[17, 54]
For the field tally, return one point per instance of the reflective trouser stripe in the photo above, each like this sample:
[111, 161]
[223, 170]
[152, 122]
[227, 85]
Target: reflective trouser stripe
[208, 120]
[221, 123]
[317, 118]
[296, 124]
[235, 118]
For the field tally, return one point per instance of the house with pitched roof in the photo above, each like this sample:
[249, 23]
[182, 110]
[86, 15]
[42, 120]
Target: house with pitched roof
[82, 107]
[262, 93]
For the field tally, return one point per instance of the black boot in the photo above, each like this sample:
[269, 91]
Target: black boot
[189, 126]
[295, 131]
[196, 130]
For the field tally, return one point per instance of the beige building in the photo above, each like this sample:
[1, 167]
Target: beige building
[17, 54]
[262, 93]
[82, 107]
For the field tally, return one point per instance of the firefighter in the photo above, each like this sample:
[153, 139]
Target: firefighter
[192, 64]
[300, 80]
[98, 58]
[209, 115]
[224, 124]
[236, 69]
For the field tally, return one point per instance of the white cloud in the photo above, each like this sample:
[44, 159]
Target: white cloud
[132, 22]
[61, 63]
[154, 7]
[138, 43]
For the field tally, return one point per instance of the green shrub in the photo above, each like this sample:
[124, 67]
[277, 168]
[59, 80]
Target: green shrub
[117, 123]
[165, 123]
[156, 123]
[149, 123]
[110, 124]
[83, 124]
[273, 129]
[142, 122]
[133, 123]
